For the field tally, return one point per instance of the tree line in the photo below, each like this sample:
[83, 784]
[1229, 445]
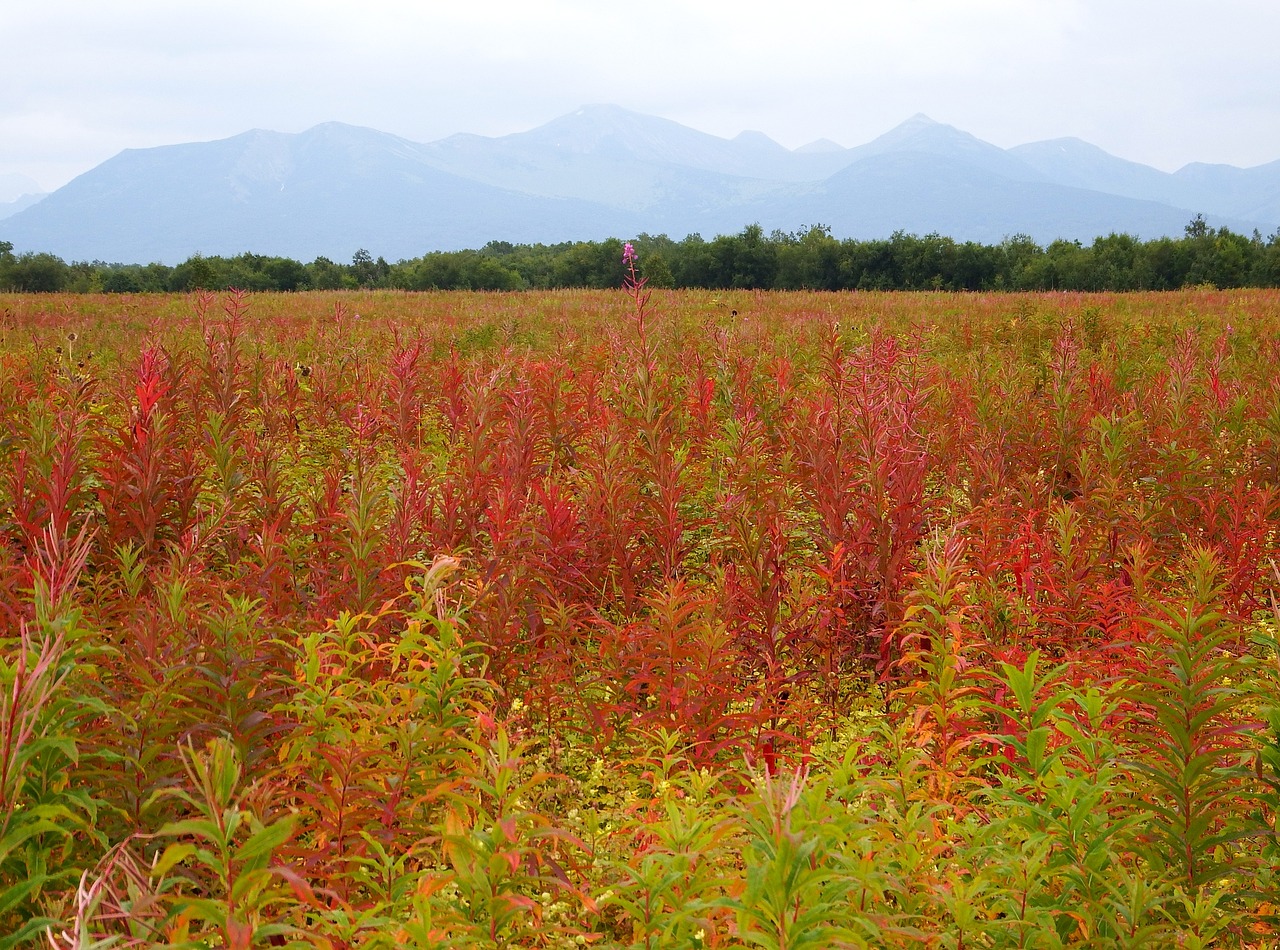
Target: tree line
[809, 259]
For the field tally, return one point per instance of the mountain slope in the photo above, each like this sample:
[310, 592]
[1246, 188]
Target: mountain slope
[1245, 192]
[9, 208]
[1240, 193]
[1070, 161]
[919, 192]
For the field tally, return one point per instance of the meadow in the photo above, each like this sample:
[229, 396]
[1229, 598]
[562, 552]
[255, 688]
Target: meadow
[602, 618]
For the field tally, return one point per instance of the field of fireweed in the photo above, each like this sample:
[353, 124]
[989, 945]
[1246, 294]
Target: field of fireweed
[583, 618]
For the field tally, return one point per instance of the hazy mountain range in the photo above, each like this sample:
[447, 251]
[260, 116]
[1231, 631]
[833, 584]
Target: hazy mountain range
[17, 192]
[605, 171]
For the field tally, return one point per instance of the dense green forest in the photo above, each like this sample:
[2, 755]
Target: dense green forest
[811, 259]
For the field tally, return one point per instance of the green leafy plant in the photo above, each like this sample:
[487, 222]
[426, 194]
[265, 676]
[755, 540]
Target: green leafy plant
[235, 891]
[1194, 780]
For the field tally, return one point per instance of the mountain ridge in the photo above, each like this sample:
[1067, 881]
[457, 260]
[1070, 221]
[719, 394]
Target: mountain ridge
[604, 170]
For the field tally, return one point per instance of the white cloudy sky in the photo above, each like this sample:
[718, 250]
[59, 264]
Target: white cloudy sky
[1164, 82]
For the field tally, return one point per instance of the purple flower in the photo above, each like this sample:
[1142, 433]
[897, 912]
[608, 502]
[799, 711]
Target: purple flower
[628, 253]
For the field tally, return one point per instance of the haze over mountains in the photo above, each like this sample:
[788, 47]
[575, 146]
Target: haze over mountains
[16, 193]
[605, 171]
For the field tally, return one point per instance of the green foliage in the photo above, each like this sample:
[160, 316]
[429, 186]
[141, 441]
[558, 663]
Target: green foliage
[39, 812]
[791, 895]
[47, 817]
[674, 839]
[1193, 756]
[809, 259]
[227, 850]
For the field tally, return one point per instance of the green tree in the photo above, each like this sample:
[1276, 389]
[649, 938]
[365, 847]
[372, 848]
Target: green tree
[808, 259]
[655, 269]
[122, 280]
[440, 270]
[287, 274]
[324, 274]
[976, 266]
[1115, 262]
[37, 273]
[480, 272]
[1166, 263]
[655, 254]
[368, 272]
[1021, 254]
[1232, 258]
[1266, 263]
[693, 265]
[195, 273]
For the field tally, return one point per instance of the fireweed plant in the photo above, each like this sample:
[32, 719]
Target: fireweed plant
[640, 619]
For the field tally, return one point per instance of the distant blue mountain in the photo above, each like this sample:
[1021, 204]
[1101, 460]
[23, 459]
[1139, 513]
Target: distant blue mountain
[9, 208]
[606, 171]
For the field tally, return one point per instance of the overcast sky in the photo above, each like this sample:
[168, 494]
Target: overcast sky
[1163, 82]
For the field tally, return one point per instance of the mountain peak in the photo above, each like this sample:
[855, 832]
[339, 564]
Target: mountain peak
[589, 127]
[601, 114]
[1065, 145]
[14, 186]
[603, 109]
[820, 147]
[612, 133]
[916, 126]
[921, 134]
[335, 126]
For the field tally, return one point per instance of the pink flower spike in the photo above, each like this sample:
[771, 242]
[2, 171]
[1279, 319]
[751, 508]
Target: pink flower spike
[628, 253]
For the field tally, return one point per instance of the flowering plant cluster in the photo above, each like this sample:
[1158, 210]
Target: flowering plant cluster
[640, 619]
